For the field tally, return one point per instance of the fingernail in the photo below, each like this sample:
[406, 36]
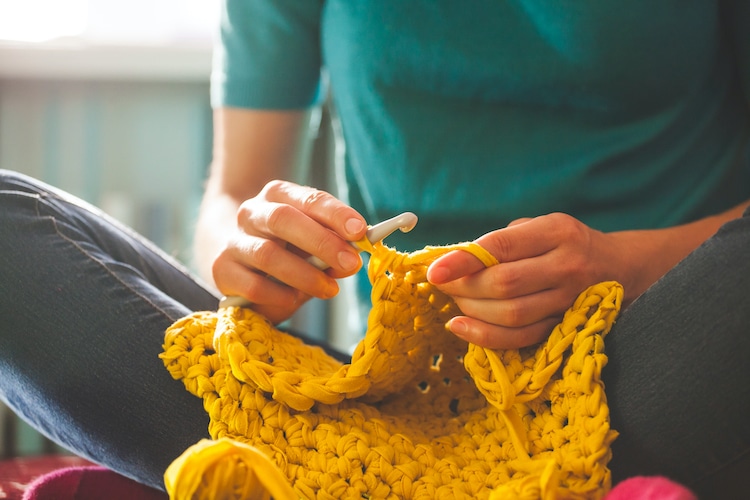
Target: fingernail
[438, 275]
[458, 327]
[331, 290]
[354, 226]
[348, 261]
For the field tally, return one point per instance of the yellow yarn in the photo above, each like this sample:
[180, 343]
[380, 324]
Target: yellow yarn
[418, 413]
[225, 468]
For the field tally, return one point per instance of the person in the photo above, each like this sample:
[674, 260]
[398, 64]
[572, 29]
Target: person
[577, 143]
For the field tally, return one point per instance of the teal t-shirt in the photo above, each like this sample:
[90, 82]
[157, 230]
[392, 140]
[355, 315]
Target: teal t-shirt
[474, 113]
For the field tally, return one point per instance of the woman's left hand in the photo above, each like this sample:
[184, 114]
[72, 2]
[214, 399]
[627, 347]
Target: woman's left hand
[545, 262]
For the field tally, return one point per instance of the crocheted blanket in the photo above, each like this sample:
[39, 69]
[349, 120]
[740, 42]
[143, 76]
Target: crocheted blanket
[417, 413]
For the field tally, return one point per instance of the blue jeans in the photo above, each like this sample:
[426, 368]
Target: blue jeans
[84, 303]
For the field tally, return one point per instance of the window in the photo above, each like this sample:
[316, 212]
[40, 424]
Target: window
[109, 21]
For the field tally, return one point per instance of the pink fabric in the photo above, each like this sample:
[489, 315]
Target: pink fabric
[89, 483]
[16, 474]
[650, 488]
[94, 483]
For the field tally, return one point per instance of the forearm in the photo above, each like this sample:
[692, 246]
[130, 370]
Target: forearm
[646, 255]
[251, 147]
[216, 221]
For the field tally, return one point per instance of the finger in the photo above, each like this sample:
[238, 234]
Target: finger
[521, 241]
[268, 297]
[498, 337]
[261, 290]
[524, 240]
[284, 223]
[268, 257]
[516, 312]
[452, 266]
[312, 220]
[320, 206]
[506, 280]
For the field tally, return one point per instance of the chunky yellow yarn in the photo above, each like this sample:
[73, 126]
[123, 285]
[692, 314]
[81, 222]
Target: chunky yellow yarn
[418, 413]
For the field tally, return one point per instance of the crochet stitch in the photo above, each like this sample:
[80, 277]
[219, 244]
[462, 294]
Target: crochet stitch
[418, 413]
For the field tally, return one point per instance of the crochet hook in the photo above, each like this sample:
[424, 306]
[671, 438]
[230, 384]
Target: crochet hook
[404, 222]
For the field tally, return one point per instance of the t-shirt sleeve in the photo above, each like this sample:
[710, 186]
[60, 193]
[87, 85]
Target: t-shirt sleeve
[267, 54]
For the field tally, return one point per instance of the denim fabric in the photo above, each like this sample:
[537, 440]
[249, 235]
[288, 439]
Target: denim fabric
[678, 378]
[84, 303]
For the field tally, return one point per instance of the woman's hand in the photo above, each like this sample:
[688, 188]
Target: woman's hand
[545, 263]
[265, 260]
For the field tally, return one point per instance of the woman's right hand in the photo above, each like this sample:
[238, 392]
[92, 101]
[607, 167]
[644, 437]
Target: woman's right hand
[264, 261]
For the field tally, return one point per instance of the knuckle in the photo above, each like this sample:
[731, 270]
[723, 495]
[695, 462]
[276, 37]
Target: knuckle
[255, 292]
[566, 225]
[321, 246]
[560, 218]
[500, 246]
[315, 198]
[278, 216]
[246, 211]
[264, 252]
[273, 188]
[513, 314]
[505, 280]
[341, 211]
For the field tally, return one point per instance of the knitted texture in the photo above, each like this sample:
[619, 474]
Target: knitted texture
[417, 413]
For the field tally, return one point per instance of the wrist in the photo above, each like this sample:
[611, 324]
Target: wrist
[646, 255]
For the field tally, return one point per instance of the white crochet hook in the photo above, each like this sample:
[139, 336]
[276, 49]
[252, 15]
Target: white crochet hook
[404, 222]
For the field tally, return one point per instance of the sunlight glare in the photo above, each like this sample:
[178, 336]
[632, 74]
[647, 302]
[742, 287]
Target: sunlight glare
[41, 20]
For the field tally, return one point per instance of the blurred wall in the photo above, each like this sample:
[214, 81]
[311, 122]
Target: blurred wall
[139, 150]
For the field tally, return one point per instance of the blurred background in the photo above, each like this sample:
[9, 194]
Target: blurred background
[109, 100]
